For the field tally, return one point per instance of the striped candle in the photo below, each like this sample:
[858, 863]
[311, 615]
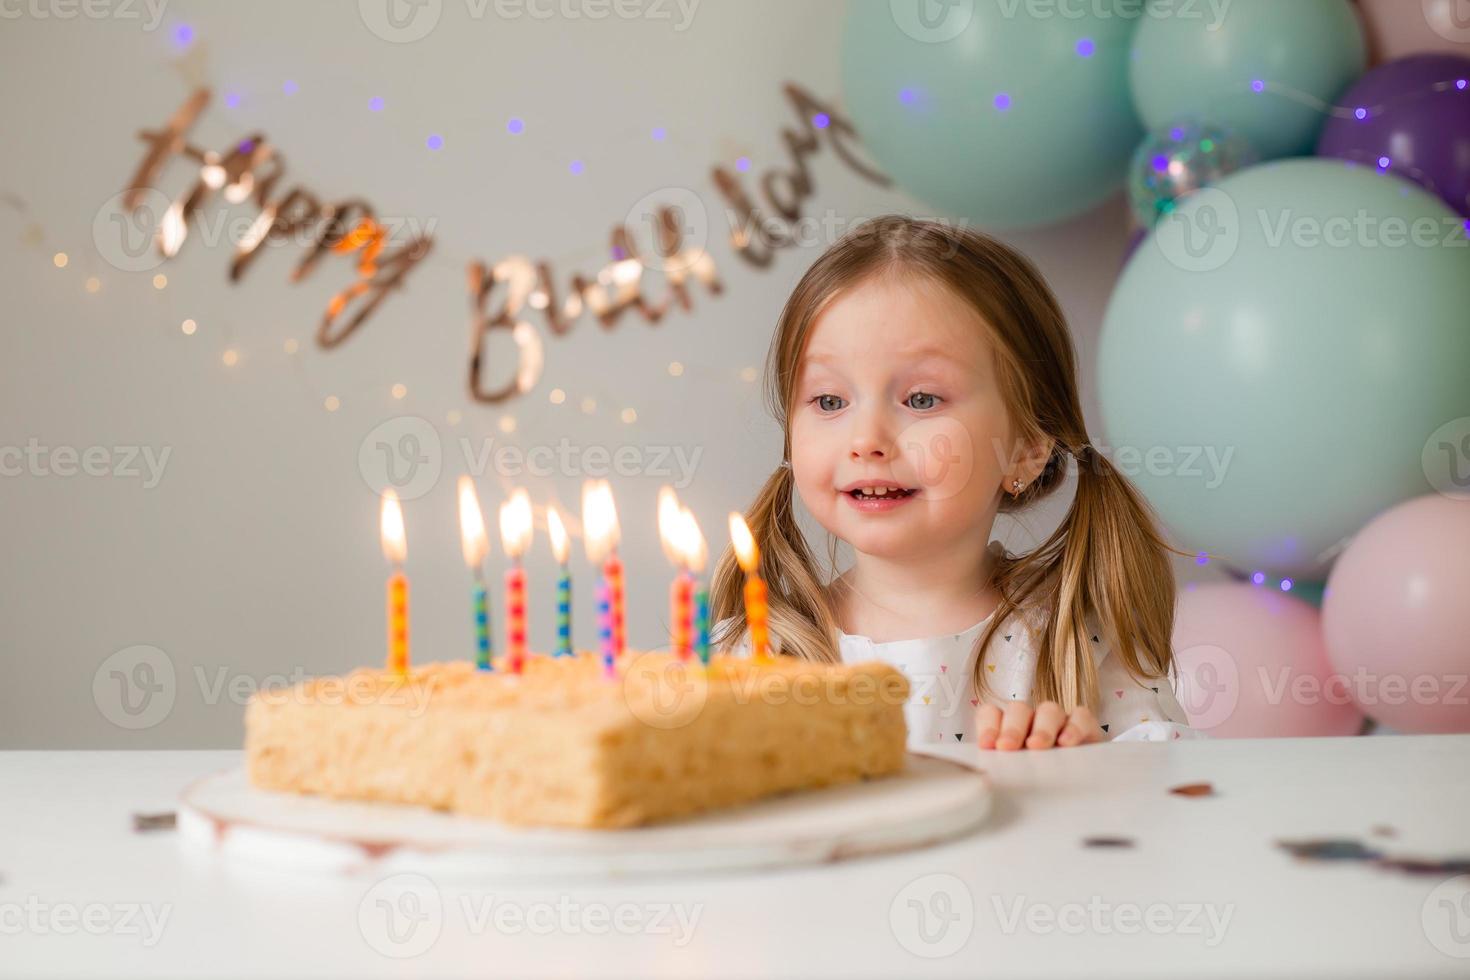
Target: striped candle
[701, 623]
[613, 570]
[515, 616]
[681, 614]
[476, 545]
[605, 628]
[398, 622]
[564, 613]
[482, 626]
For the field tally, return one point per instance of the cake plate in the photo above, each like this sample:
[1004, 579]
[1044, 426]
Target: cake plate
[931, 801]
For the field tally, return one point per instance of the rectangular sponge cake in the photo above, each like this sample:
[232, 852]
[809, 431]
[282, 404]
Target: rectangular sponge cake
[565, 745]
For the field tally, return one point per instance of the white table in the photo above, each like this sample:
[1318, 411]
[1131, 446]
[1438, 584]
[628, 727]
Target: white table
[83, 895]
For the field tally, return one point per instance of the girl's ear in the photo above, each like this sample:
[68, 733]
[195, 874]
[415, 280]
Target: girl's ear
[1028, 464]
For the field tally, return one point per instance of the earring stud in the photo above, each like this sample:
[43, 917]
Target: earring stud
[1016, 486]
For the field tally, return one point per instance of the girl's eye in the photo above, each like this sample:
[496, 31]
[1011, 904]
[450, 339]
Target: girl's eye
[921, 401]
[828, 403]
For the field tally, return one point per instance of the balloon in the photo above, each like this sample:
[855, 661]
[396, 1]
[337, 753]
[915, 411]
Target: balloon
[1135, 239]
[1264, 68]
[1250, 663]
[1278, 356]
[1008, 121]
[1416, 122]
[1396, 28]
[1180, 158]
[1396, 619]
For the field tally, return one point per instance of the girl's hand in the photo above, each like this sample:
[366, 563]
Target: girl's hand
[1047, 725]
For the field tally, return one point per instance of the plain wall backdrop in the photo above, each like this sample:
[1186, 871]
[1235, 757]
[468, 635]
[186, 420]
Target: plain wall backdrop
[256, 554]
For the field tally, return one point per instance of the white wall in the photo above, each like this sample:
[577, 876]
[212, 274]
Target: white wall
[257, 552]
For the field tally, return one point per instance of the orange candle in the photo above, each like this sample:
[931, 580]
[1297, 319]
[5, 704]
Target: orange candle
[395, 549]
[672, 532]
[757, 613]
[515, 536]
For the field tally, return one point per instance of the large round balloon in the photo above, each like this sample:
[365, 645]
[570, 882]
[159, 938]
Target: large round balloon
[1179, 159]
[1250, 663]
[1399, 27]
[1410, 117]
[1263, 68]
[1396, 621]
[1008, 121]
[1278, 354]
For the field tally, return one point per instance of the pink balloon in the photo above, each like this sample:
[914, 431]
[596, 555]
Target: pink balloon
[1399, 27]
[1397, 616]
[1251, 663]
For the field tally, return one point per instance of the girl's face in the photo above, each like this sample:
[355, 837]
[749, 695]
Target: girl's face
[897, 389]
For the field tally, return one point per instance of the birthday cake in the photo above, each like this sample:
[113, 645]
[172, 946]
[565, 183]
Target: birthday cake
[566, 743]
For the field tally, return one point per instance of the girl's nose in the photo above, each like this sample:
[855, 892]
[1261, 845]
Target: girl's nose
[871, 439]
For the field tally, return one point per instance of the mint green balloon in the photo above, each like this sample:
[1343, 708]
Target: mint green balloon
[1284, 344]
[989, 112]
[1301, 54]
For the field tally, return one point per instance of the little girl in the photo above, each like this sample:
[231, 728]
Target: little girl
[925, 381]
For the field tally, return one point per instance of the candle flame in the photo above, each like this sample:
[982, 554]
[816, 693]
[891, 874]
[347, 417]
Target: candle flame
[558, 532]
[696, 551]
[746, 551]
[670, 526]
[599, 520]
[516, 523]
[395, 542]
[473, 539]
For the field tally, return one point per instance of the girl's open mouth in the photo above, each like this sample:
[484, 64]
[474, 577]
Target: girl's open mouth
[878, 499]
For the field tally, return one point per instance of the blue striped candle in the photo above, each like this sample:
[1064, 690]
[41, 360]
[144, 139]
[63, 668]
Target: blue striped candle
[605, 627]
[701, 623]
[482, 626]
[564, 613]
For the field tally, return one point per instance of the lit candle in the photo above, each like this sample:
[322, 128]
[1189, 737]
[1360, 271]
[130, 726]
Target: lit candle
[671, 531]
[696, 553]
[515, 536]
[756, 612]
[476, 545]
[599, 531]
[560, 547]
[395, 549]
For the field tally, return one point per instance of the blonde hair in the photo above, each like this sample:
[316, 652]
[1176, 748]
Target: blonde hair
[1105, 564]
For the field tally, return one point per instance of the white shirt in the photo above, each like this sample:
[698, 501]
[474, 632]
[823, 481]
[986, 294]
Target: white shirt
[942, 700]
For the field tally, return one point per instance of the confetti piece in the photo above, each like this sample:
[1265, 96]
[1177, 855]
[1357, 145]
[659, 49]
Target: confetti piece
[145, 822]
[1384, 830]
[1329, 849]
[1107, 842]
[1194, 789]
[1423, 866]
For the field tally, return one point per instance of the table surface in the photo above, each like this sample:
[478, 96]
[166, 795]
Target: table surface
[1203, 891]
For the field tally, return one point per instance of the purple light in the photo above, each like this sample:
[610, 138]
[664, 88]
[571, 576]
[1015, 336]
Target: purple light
[1085, 47]
[618, 253]
[1177, 133]
[1467, 227]
[184, 36]
[1161, 163]
[1202, 558]
[1258, 578]
[1002, 101]
[232, 100]
[435, 141]
[1460, 85]
[908, 96]
[290, 87]
[375, 104]
[659, 133]
[821, 121]
[742, 164]
[1360, 112]
[1383, 162]
[245, 146]
[1286, 585]
[576, 167]
[1258, 86]
[515, 125]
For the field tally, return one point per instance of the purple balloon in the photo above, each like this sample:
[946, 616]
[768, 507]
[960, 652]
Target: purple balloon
[1410, 117]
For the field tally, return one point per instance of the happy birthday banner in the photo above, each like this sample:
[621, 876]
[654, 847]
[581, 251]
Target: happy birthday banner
[252, 171]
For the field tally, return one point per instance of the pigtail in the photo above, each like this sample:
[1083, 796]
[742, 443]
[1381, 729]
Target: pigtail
[801, 623]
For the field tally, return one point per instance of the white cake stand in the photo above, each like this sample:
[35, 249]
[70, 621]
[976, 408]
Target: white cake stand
[932, 800]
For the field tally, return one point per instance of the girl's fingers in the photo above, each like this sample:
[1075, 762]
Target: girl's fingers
[987, 725]
[1015, 724]
[1050, 717]
[1082, 727]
